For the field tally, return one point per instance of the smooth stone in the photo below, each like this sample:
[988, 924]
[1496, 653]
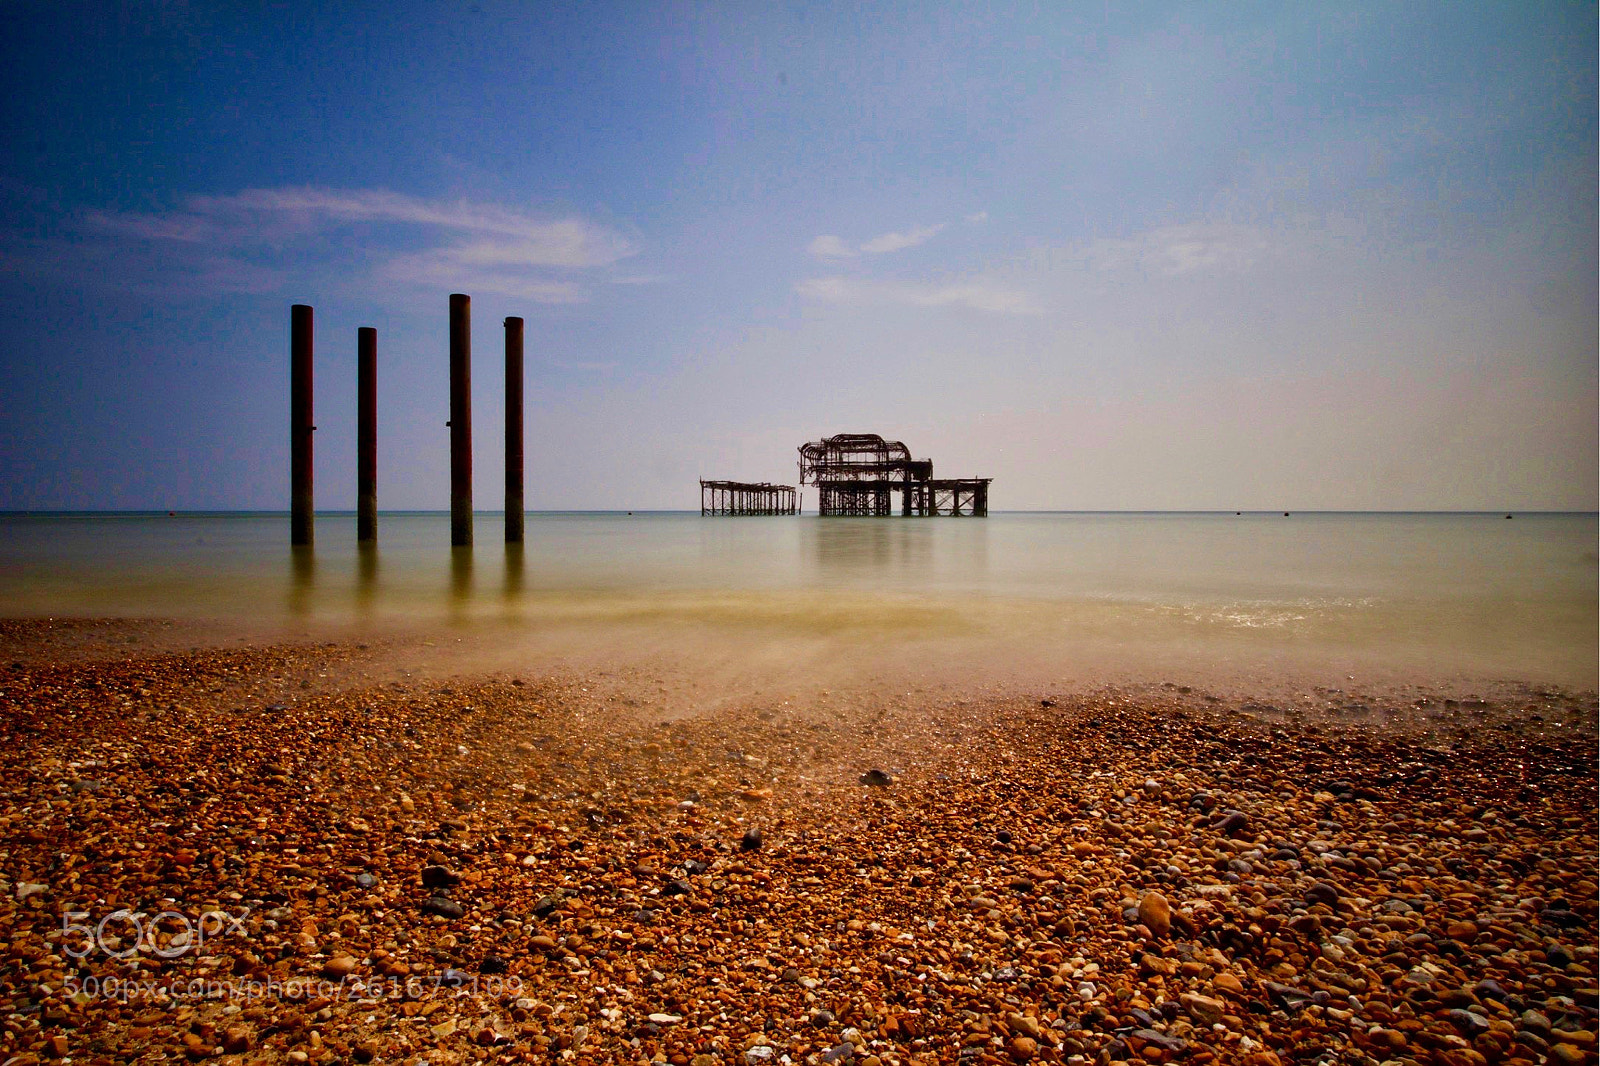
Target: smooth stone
[1155, 914]
[1023, 1048]
[1233, 823]
[445, 908]
[439, 877]
[1203, 1009]
[1466, 1022]
[339, 966]
[1323, 892]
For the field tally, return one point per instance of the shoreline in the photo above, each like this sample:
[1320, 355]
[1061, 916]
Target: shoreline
[1372, 881]
[695, 664]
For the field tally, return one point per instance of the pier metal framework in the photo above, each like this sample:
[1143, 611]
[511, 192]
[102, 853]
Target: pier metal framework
[747, 498]
[934, 498]
[861, 473]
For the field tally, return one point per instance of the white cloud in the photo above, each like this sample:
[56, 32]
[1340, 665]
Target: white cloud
[981, 216]
[475, 245]
[977, 295]
[830, 247]
[443, 268]
[515, 235]
[1178, 250]
[893, 242]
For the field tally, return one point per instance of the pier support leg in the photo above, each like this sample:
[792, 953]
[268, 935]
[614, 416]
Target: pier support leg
[460, 420]
[514, 508]
[366, 435]
[301, 511]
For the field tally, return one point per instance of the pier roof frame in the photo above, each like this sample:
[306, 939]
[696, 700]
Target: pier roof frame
[860, 457]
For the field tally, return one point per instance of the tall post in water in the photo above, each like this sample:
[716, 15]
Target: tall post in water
[366, 435]
[300, 426]
[460, 420]
[514, 506]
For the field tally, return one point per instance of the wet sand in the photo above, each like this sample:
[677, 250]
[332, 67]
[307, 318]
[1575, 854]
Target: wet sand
[365, 855]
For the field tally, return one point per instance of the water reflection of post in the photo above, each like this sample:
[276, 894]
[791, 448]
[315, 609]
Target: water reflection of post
[302, 578]
[366, 575]
[460, 579]
[514, 570]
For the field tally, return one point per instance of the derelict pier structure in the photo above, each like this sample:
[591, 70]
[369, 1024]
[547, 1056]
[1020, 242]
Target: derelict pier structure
[862, 474]
[746, 498]
[856, 474]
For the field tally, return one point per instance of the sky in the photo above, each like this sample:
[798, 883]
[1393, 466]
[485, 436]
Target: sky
[1112, 255]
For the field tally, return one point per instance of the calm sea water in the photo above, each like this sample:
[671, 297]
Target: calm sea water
[1429, 595]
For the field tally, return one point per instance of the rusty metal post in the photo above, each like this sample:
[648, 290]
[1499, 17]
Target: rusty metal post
[514, 508]
[460, 420]
[366, 435]
[301, 511]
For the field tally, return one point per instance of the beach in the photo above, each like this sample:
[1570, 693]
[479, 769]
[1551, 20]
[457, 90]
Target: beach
[683, 534]
[265, 849]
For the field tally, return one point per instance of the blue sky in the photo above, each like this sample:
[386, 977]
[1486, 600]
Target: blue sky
[1112, 255]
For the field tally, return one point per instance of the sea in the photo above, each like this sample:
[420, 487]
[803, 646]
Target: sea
[1310, 597]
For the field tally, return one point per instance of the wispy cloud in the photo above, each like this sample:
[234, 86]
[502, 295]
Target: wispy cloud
[1178, 250]
[829, 246]
[470, 245]
[893, 242]
[444, 268]
[976, 295]
[981, 216]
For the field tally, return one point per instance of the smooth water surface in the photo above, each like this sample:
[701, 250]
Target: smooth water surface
[1431, 595]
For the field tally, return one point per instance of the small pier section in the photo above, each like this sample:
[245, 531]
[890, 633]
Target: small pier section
[746, 498]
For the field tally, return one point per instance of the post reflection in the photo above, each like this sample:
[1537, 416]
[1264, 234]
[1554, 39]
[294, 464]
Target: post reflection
[514, 572]
[302, 578]
[366, 575]
[460, 578]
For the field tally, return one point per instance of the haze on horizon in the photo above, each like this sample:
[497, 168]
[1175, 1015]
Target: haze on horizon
[1115, 256]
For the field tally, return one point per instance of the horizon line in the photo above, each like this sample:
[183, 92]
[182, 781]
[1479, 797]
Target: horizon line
[351, 513]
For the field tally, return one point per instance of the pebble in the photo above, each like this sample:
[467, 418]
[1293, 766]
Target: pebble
[339, 966]
[1323, 892]
[986, 916]
[439, 877]
[1155, 914]
[1203, 1009]
[1232, 823]
[442, 906]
